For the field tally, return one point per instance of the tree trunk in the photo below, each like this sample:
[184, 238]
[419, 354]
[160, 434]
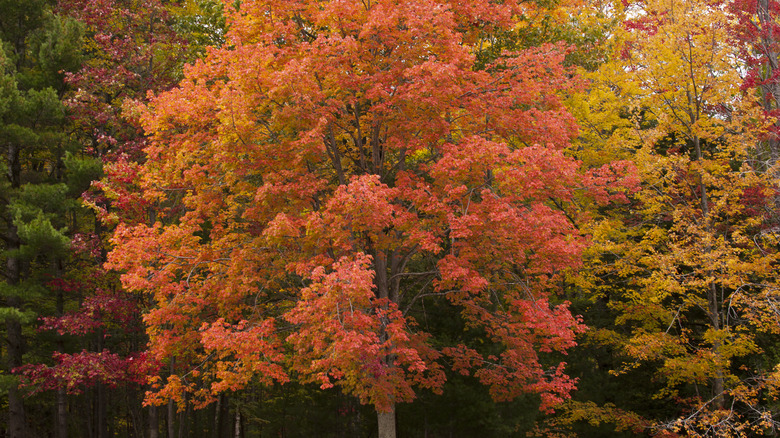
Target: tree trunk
[100, 398]
[87, 420]
[171, 410]
[713, 301]
[100, 410]
[386, 423]
[62, 413]
[237, 426]
[62, 401]
[154, 423]
[171, 419]
[136, 412]
[385, 420]
[217, 408]
[225, 423]
[184, 419]
[16, 420]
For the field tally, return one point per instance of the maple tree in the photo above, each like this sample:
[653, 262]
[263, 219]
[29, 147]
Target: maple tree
[689, 270]
[334, 166]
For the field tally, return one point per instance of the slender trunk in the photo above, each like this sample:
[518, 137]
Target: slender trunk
[217, 408]
[385, 420]
[154, 423]
[225, 425]
[135, 411]
[171, 408]
[380, 266]
[386, 423]
[718, 383]
[237, 426]
[100, 410]
[100, 399]
[171, 419]
[16, 420]
[713, 303]
[87, 420]
[62, 401]
[196, 426]
[184, 417]
[62, 413]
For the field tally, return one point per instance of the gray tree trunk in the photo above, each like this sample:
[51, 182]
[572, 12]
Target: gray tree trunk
[154, 423]
[386, 423]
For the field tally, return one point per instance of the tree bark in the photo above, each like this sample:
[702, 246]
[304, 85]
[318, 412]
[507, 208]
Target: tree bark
[386, 423]
[171, 410]
[225, 423]
[16, 420]
[100, 398]
[136, 412]
[62, 401]
[184, 419]
[100, 410]
[237, 426]
[171, 419]
[713, 303]
[217, 409]
[385, 420]
[154, 423]
[62, 414]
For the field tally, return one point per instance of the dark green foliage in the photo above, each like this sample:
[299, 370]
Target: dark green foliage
[37, 49]
[80, 172]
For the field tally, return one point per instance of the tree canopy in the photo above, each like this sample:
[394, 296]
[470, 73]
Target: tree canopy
[390, 217]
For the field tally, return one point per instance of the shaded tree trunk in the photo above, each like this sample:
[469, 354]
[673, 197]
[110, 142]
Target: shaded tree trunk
[101, 426]
[171, 409]
[217, 408]
[61, 423]
[171, 419]
[713, 301]
[225, 423]
[154, 426]
[184, 419]
[100, 399]
[62, 414]
[16, 420]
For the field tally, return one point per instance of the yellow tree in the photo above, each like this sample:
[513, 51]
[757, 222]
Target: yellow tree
[691, 273]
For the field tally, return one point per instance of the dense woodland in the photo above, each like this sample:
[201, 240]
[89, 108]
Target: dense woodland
[413, 218]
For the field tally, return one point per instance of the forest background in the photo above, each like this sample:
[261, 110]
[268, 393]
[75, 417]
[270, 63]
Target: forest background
[379, 218]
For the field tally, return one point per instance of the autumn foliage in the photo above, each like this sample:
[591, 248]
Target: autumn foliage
[484, 208]
[337, 164]
[689, 271]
